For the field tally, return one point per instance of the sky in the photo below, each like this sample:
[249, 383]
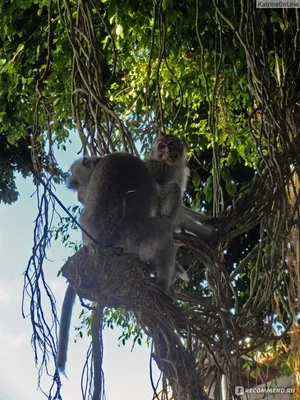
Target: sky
[126, 372]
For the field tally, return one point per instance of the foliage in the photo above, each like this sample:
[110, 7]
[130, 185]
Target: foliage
[222, 76]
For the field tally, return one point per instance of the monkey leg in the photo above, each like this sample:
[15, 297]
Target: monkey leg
[196, 223]
[152, 240]
[165, 264]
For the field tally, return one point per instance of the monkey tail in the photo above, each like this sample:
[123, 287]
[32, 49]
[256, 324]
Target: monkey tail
[181, 272]
[64, 329]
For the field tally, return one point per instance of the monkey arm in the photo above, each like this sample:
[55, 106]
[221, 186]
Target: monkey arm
[196, 223]
[160, 171]
[170, 201]
[64, 329]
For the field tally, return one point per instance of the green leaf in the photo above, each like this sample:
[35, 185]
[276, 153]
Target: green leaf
[120, 31]
[208, 189]
[196, 180]
[20, 47]
[231, 188]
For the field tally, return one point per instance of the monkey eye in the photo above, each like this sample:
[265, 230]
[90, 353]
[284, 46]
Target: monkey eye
[73, 185]
[162, 146]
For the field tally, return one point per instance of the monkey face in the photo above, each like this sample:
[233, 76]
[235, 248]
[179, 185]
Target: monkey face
[79, 187]
[168, 148]
[81, 172]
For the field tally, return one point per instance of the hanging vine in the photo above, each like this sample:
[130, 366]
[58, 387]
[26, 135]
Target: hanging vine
[225, 78]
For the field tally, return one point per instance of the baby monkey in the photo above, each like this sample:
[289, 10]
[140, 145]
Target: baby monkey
[168, 161]
[168, 167]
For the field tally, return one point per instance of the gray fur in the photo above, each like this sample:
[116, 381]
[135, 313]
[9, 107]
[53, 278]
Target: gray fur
[168, 167]
[120, 200]
[64, 329]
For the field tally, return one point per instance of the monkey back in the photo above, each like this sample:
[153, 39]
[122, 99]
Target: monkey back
[120, 191]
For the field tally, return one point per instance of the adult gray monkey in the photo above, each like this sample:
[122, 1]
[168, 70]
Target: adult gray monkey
[120, 210]
[120, 199]
[168, 167]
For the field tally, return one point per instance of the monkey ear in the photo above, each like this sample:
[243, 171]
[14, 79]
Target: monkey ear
[160, 135]
[90, 162]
